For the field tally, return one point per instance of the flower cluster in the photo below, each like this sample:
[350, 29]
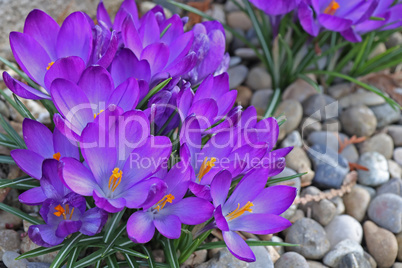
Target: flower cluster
[350, 18]
[146, 121]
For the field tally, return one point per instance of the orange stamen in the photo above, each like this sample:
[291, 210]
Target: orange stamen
[71, 215]
[161, 204]
[239, 211]
[115, 179]
[56, 156]
[61, 211]
[332, 8]
[49, 65]
[206, 167]
[96, 114]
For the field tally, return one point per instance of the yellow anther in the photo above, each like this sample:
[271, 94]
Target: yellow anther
[239, 211]
[96, 114]
[61, 211]
[49, 65]
[332, 8]
[115, 179]
[206, 167]
[56, 156]
[161, 204]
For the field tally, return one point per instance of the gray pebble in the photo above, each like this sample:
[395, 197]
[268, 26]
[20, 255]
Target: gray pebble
[359, 121]
[344, 227]
[395, 131]
[394, 169]
[9, 241]
[361, 98]
[10, 262]
[356, 202]
[292, 139]
[320, 107]
[381, 143]
[299, 90]
[334, 256]
[237, 75]
[332, 125]
[398, 155]
[393, 186]
[291, 260]
[246, 54]
[386, 211]
[378, 169]
[385, 114]
[354, 260]
[261, 98]
[309, 125]
[258, 78]
[292, 111]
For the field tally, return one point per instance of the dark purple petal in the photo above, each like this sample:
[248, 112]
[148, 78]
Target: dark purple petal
[29, 162]
[140, 227]
[107, 57]
[93, 221]
[191, 210]
[126, 95]
[200, 190]
[334, 23]
[23, 90]
[259, 223]
[168, 225]
[220, 187]
[220, 220]
[97, 84]
[306, 18]
[66, 128]
[184, 65]
[274, 7]
[157, 56]
[109, 205]
[75, 37]
[351, 35]
[68, 227]
[149, 29]
[274, 199]
[32, 197]
[180, 46]
[102, 15]
[64, 146]
[129, 7]
[69, 68]
[146, 192]
[238, 247]
[77, 177]
[44, 235]
[51, 184]
[30, 55]
[38, 138]
[131, 38]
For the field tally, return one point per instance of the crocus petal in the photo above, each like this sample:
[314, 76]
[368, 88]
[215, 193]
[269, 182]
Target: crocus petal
[126, 95]
[140, 227]
[38, 138]
[75, 37]
[191, 210]
[130, 8]
[30, 55]
[220, 187]
[206, 109]
[32, 197]
[107, 57]
[259, 223]
[23, 90]
[200, 190]
[351, 35]
[131, 38]
[102, 15]
[184, 65]
[66, 128]
[97, 84]
[157, 55]
[69, 68]
[176, 180]
[149, 30]
[110, 205]
[93, 221]
[169, 226]
[64, 146]
[238, 247]
[306, 18]
[334, 23]
[274, 199]
[43, 29]
[77, 177]
[44, 235]
[220, 220]
[149, 191]
[68, 227]
[30, 162]
[51, 183]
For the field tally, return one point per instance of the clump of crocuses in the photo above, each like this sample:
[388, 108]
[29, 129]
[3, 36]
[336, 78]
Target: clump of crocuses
[146, 127]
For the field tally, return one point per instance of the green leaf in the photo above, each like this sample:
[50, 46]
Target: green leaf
[20, 73]
[153, 91]
[69, 245]
[112, 262]
[23, 110]
[170, 253]
[116, 235]
[185, 240]
[4, 183]
[151, 262]
[38, 252]
[20, 214]
[196, 243]
[131, 262]
[252, 243]
[73, 257]
[276, 97]
[377, 18]
[278, 180]
[5, 159]
[130, 252]
[92, 258]
[165, 30]
[112, 225]
[12, 133]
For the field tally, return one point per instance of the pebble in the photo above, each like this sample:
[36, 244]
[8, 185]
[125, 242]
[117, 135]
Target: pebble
[381, 143]
[217, 12]
[395, 131]
[292, 139]
[315, 264]
[359, 121]
[335, 255]
[381, 244]
[311, 237]
[323, 211]
[344, 227]
[291, 260]
[309, 125]
[385, 114]
[399, 240]
[244, 95]
[237, 75]
[28, 245]
[340, 90]
[261, 98]
[354, 260]
[394, 169]
[292, 111]
[340, 206]
[258, 78]
[246, 53]
[196, 258]
[369, 189]
[9, 241]
[239, 19]
[299, 90]
[356, 202]
[8, 219]
[370, 259]
[378, 50]
[234, 61]
[41, 265]
[332, 125]
[378, 169]
[398, 155]
[330, 167]
[10, 262]
[361, 98]
[230, 6]
[320, 107]
[386, 211]
[393, 186]
[394, 40]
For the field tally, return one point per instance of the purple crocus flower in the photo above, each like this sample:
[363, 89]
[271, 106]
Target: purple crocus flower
[120, 160]
[42, 48]
[64, 212]
[127, 8]
[251, 208]
[335, 15]
[42, 144]
[79, 104]
[171, 211]
[275, 7]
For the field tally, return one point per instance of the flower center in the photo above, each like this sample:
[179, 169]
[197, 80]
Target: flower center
[115, 179]
[65, 212]
[240, 210]
[332, 8]
[206, 167]
[49, 65]
[161, 204]
[96, 114]
[56, 156]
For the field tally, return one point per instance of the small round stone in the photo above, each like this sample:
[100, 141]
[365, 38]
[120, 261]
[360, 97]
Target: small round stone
[381, 244]
[239, 19]
[292, 139]
[309, 125]
[393, 186]
[244, 95]
[356, 203]
[386, 211]
[385, 114]
[10, 262]
[395, 131]
[378, 169]
[9, 241]
[344, 227]
[398, 155]
[261, 98]
[335, 255]
[380, 143]
[340, 90]
[395, 169]
[332, 125]
[258, 78]
[237, 75]
[291, 260]
[310, 236]
[320, 107]
[359, 121]
[299, 90]
[354, 260]
[361, 98]
[293, 112]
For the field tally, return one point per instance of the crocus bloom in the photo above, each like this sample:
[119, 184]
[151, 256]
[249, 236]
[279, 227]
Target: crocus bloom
[276, 7]
[42, 144]
[127, 8]
[41, 49]
[250, 208]
[171, 211]
[63, 211]
[80, 104]
[113, 147]
[335, 15]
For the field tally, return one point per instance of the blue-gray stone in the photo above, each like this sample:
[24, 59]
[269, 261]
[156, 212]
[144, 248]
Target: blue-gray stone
[385, 114]
[330, 167]
[377, 165]
[393, 186]
[386, 211]
[320, 107]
